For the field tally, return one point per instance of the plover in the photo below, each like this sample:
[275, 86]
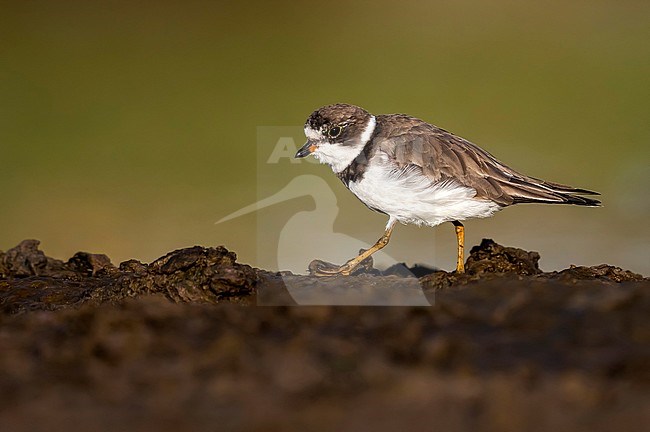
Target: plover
[417, 173]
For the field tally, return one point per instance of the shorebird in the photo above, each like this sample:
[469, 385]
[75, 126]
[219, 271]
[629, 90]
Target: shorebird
[418, 173]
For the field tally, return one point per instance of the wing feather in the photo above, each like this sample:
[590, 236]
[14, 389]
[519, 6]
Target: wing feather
[443, 156]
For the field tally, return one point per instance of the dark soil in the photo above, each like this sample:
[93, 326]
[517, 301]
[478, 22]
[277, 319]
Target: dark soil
[166, 346]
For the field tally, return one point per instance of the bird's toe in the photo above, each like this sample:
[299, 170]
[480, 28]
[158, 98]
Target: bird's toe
[323, 268]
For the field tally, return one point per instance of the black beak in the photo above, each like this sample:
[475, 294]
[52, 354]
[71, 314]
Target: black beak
[306, 150]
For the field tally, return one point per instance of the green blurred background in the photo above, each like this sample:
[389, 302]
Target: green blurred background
[129, 128]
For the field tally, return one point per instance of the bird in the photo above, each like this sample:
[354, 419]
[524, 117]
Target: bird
[418, 173]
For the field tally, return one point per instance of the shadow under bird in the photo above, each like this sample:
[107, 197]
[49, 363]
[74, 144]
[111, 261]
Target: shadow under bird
[417, 173]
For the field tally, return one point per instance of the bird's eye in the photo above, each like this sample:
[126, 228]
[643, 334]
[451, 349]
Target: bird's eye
[334, 132]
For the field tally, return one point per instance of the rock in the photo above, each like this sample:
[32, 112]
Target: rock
[601, 272]
[90, 264]
[31, 280]
[27, 260]
[490, 257]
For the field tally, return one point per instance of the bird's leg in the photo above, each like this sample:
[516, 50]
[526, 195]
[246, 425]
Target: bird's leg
[349, 266]
[460, 238]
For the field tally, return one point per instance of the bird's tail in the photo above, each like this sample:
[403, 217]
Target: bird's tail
[532, 190]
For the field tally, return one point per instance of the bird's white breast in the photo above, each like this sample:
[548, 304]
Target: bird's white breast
[412, 198]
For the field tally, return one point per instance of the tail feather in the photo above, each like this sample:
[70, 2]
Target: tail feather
[558, 187]
[561, 199]
[532, 190]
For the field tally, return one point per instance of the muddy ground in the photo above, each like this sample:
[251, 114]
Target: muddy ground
[171, 346]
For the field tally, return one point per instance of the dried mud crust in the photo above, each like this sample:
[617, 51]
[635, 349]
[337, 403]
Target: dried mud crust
[29, 280]
[160, 347]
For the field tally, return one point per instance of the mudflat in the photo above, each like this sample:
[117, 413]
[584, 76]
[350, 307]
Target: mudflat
[187, 343]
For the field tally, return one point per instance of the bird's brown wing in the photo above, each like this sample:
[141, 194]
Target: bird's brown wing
[442, 156]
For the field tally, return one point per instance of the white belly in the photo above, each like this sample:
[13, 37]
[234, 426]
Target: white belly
[412, 198]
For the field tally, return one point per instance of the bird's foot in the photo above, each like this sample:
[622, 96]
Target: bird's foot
[325, 269]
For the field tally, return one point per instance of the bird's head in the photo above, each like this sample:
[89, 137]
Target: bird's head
[336, 134]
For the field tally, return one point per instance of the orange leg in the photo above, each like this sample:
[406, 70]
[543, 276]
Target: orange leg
[347, 268]
[460, 238]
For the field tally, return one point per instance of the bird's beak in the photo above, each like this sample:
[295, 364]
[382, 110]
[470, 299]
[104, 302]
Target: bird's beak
[306, 149]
